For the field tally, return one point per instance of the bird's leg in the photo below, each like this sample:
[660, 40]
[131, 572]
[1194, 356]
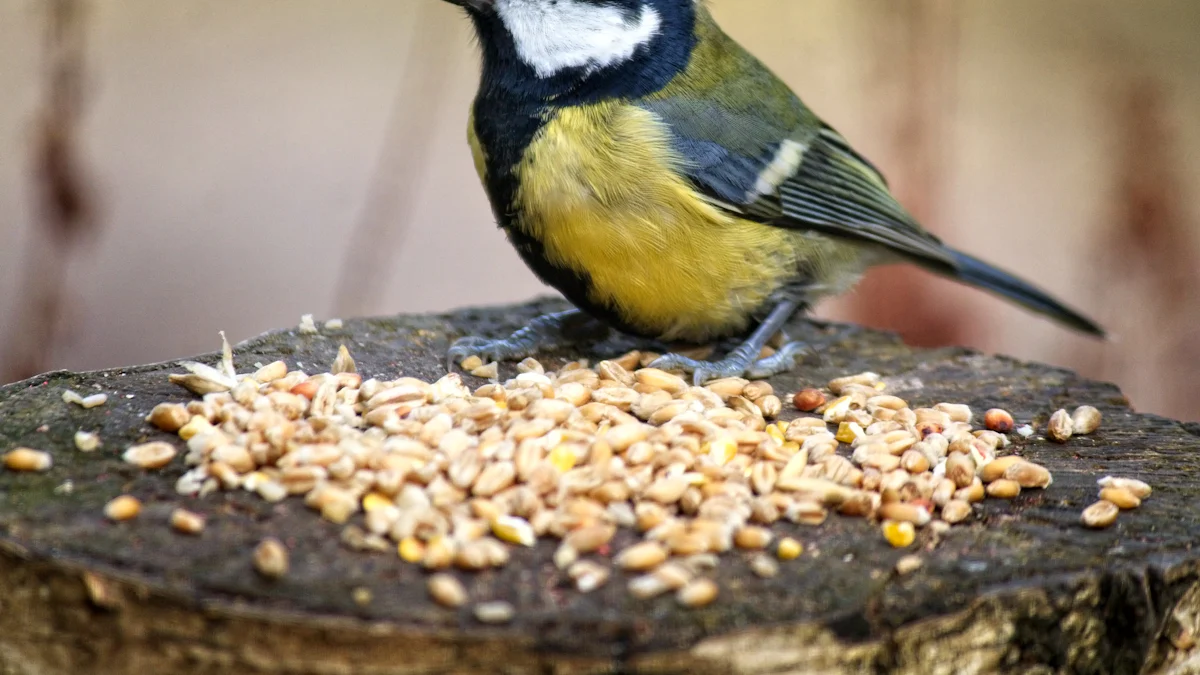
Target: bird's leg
[744, 361]
[548, 331]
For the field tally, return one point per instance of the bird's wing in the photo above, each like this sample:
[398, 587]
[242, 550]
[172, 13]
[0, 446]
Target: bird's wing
[779, 164]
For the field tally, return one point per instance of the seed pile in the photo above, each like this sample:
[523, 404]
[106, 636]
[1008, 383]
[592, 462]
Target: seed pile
[450, 477]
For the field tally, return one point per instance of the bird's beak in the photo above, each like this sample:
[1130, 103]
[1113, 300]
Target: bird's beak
[477, 5]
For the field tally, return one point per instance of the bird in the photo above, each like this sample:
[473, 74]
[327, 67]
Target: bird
[672, 187]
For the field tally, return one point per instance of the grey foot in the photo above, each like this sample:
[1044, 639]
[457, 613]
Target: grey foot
[546, 332]
[741, 362]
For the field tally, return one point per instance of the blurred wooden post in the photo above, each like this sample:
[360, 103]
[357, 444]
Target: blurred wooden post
[64, 196]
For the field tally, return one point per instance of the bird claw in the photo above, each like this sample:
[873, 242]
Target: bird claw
[544, 332]
[737, 364]
[506, 349]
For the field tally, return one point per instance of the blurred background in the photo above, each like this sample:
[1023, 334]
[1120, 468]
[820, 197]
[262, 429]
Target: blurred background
[171, 169]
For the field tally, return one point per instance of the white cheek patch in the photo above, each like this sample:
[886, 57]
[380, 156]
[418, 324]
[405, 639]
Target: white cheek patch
[553, 36]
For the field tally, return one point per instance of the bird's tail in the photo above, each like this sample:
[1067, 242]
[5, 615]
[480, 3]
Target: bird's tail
[978, 273]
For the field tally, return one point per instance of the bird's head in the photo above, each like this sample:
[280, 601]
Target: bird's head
[554, 48]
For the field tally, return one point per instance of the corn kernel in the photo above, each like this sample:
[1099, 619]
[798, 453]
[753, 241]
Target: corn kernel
[514, 530]
[789, 549]
[776, 434]
[411, 550]
[848, 431]
[193, 427]
[722, 450]
[563, 458]
[899, 533]
[373, 501]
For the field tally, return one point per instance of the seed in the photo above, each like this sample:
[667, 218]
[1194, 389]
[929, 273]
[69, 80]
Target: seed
[84, 402]
[666, 490]
[470, 363]
[489, 371]
[439, 554]
[343, 363]
[1123, 498]
[762, 477]
[973, 493]
[752, 538]
[682, 542]
[1029, 475]
[121, 508]
[673, 575]
[848, 432]
[727, 387]
[1004, 488]
[806, 512]
[494, 612]
[697, 593]
[654, 379]
[883, 462]
[307, 389]
[958, 412]
[914, 462]
[236, 456]
[563, 458]
[86, 441]
[1139, 489]
[271, 491]
[154, 455]
[789, 549]
[642, 556]
[836, 410]
[1060, 427]
[960, 469]
[374, 501]
[446, 590]
[590, 538]
[307, 325]
[472, 556]
[994, 470]
[194, 427]
[770, 406]
[187, 522]
[271, 558]
[648, 586]
[169, 417]
[271, 372]
[905, 512]
[824, 491]
[998, 420]
[808, 400]
[993, 439]
[722, 450]
[839, 385]
[1085, 420]
[757, 389]
[764, 566]
[411, 550]
[622, 436]
[514, 530]
[588, 576]
[494, 478]
[27, 459]
[1100, 515]
[899, 534]
[956, 511]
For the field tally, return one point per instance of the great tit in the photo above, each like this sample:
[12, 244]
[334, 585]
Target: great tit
[659, 176]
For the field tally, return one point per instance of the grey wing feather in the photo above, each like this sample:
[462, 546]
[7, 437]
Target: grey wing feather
[836, 191]
[728, 153]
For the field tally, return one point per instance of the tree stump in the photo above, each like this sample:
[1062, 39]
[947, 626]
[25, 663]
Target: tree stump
[1023, 588]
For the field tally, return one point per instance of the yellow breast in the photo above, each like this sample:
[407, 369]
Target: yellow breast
[598, 187]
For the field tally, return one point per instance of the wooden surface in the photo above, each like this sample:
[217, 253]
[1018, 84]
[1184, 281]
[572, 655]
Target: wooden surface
[1023, 588]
